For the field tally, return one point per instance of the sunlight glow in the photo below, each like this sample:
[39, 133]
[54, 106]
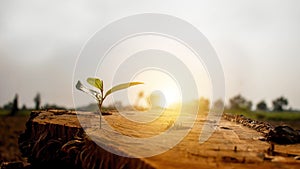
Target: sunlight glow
[159, 86]
[118, 67]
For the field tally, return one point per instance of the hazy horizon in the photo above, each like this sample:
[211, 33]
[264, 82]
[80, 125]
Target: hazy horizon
[257, 43]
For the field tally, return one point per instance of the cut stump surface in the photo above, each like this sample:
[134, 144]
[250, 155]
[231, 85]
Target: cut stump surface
[56, 138]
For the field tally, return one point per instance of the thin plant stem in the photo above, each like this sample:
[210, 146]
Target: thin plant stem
[100, 106]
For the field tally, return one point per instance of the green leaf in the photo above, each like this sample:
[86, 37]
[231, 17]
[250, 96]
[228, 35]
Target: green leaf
[121, 86]
[95, 82]
[91, 92]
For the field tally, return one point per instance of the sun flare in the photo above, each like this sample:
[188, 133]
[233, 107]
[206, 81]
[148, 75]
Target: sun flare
[159, 89]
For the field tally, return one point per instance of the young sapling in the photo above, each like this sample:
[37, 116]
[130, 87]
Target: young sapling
[99, 96]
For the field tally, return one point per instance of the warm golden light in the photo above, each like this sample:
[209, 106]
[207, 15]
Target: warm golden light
[159, 89]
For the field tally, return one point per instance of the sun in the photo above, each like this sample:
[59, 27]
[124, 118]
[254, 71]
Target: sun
[160, 88]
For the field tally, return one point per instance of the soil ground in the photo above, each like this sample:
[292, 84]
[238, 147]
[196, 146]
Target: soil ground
[10, 129]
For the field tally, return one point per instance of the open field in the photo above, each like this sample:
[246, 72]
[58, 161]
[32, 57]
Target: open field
[19, 113]
[275, 118]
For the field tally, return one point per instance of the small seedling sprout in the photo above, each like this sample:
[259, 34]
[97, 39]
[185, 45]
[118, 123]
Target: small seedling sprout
[99, 96]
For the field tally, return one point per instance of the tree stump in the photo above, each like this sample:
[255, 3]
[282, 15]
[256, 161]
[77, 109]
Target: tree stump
[54, 138]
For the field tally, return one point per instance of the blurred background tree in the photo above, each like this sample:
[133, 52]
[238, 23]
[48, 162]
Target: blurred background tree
[139, 99]
[37, 101]
[262, 106]
[218, 105]
[24, 107]
[280, 103]
[8, 106]
[14, 108]
[204, 104]
[239, 102]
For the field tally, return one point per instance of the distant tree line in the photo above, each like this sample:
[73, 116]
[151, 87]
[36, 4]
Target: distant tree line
[13, 106]
[239, 102]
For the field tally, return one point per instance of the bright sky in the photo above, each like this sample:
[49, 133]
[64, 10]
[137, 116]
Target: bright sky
[158, 64]
[257, 42]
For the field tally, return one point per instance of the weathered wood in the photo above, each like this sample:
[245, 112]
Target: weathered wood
[56, 138]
